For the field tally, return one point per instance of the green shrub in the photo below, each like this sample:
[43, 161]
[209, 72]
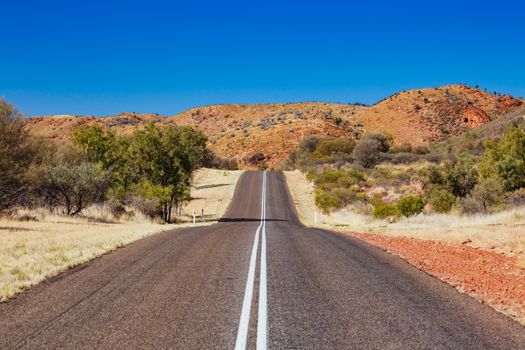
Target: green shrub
[326, 201]
[441, 200]
[383, 211]
[410, 205]
[329, 147]
[462, 175]
[488, 192]
[506, 159]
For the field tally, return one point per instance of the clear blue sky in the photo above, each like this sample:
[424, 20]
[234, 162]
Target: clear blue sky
[104, 57]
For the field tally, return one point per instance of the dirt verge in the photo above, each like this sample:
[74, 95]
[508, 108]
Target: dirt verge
[490, 277]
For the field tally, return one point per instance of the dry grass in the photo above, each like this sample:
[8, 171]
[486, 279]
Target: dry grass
[212, 191]
[31, 251]
[502, 232]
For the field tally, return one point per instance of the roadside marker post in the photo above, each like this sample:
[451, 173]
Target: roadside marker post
[194, 217]
[202, 211]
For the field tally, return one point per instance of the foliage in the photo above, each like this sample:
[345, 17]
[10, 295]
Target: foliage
[309, 144]
[462, 175]
[385, 141]
[329, 147]
[340, 177]
[98, 145]
[383, 211]
[212, 160]
[441, 200]
[164, 158]
[411, 205]
[506, 159]
[367, 152]
[15, 156]
[74, 187]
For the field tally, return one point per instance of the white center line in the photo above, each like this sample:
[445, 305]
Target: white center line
[242, 333]
[262, 320]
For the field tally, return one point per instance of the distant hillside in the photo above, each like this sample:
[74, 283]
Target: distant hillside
[425, 115]
[472, 141]
[273, 130]
[266, 133]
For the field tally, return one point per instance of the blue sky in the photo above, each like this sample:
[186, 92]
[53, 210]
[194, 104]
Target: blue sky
[104, 57]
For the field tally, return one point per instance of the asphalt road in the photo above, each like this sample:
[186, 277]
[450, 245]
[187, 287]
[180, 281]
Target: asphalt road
[216, 287]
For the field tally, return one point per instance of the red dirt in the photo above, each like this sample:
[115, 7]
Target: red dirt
[490, 277]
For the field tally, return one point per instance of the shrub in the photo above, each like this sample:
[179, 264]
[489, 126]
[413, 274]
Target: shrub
[421, 150]
[385, 141]
[383, 211]
[410, 205]
[309, 144]
[330, 147]
[367, 153]
[212, 160]
[401, 148]
[462, 175]
[75, 187]
[255, 159]
[441, 200]
[506, 159]
[469, 205]
[403, 158]
[14, 156]
[487, 194]
[326, 201]
[516, 198]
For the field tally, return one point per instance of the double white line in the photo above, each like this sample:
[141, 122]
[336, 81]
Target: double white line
[262, 318]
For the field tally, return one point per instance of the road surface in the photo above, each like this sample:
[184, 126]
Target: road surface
[216, 287]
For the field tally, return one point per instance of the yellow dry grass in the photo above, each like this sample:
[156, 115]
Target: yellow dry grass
[503, 232]
[31, 251]
[212, 191]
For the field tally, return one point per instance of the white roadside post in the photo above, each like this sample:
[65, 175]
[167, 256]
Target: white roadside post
[194, 217]
[202, 212]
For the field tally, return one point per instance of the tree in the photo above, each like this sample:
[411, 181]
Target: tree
[104, 148]
[75, 187]
[14, 155]
[165, 158]
[367, 153]
[506, 159]
[462, 175]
